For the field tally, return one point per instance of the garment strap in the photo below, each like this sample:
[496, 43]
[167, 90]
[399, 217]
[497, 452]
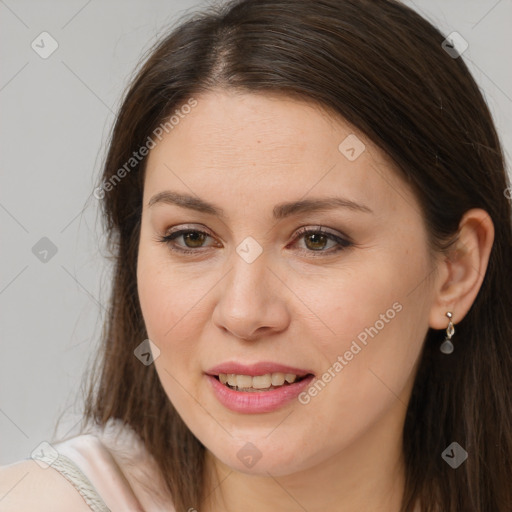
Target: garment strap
[74, 475]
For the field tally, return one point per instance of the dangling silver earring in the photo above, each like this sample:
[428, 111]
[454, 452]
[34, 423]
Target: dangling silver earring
[447, 345]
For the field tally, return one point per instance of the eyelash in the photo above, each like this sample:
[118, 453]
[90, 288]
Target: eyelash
[342, 242]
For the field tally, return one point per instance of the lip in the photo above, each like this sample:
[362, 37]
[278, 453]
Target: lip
[257, 402]
[255, 369]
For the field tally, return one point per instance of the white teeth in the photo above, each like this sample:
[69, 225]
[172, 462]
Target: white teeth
[249, 383]
[244, 381]
[262, 381]
[277, 379]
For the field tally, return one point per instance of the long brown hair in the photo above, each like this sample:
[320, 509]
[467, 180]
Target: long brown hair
[380, 66]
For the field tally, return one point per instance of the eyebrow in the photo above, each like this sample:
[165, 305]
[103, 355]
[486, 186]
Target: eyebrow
[280, 211]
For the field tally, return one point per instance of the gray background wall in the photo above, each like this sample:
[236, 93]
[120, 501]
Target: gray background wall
[55, 116]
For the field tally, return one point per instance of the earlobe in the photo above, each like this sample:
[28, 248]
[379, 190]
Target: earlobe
[463, 268]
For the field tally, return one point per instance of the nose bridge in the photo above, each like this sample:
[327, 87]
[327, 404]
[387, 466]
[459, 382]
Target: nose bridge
[249, 280]
[249, 300]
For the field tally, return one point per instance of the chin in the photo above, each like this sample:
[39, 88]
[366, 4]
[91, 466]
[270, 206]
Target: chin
[263, 461]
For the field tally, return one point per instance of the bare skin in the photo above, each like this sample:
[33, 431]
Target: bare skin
[298, 303]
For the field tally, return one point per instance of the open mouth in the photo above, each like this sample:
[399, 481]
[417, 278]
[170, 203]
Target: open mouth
[259, 383]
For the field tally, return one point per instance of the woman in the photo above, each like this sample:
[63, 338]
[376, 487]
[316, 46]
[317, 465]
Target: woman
[310, 310]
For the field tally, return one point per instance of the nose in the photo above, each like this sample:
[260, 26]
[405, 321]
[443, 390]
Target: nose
[253, 300]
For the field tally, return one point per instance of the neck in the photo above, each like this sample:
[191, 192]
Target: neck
[366, 475]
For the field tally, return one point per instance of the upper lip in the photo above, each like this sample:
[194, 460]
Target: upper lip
[255, 369]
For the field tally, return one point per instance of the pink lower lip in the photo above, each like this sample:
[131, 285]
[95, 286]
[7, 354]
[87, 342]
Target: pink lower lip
[259, 401]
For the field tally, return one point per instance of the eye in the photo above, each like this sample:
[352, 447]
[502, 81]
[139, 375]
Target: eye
[193, 237]
[315, 241]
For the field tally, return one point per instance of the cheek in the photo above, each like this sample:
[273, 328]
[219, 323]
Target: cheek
[164, 294]
[169, 307]
[356, 300]
[377, 321]
[161, 296]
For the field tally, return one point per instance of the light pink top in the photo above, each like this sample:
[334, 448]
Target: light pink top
[112, 470]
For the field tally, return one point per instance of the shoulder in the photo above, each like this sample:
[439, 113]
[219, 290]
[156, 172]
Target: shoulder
[137, 465]
[123, 472]
[108, 465]
[25, 485]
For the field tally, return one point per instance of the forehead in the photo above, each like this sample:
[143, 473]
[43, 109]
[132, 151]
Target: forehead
[256, 128]
[269, 147]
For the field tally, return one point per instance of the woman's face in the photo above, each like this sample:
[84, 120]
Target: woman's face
[260, 302]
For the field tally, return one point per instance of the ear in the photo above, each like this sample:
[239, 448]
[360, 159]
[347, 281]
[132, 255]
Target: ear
[461, 271]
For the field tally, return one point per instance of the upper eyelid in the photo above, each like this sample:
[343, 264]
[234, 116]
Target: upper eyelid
[300, 230]
[342, 240]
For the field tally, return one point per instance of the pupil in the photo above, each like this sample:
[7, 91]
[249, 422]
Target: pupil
[316, 236]
[198, 238]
